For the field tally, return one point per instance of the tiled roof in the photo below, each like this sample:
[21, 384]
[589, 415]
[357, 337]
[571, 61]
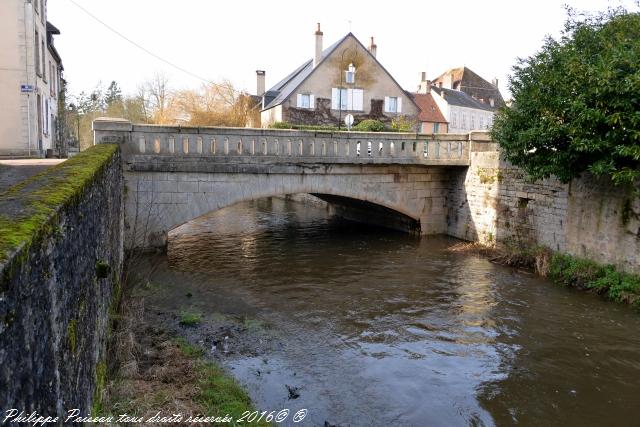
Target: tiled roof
[429, 111]
[461, 99]
[472, 84]
[286, 86]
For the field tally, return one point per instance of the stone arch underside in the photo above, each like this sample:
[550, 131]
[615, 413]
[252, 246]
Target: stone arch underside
[169, 203]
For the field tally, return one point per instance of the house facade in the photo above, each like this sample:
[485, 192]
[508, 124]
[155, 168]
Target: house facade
[462, 112]
[30, 79]
[430, 118]
[346, 78]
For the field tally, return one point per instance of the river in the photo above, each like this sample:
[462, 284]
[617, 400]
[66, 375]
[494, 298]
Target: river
[364, 326]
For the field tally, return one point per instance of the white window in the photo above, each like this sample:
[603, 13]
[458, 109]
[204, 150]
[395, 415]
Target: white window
[473, 121]
[46, 117]
[347, 99]
[464, 121]
[357, 99]
[350, 76]
[454, 120]
[392, 104]
[305, 100]
[481, 122]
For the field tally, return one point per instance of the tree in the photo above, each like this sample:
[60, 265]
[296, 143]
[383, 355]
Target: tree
[113, 94]
[218, 104]
[576, 103]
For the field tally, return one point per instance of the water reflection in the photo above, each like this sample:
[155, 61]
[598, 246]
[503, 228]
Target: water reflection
[381, 328]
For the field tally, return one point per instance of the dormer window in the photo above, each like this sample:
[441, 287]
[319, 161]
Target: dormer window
[350, 74]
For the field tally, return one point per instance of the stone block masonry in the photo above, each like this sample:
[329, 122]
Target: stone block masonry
[494, 202]
[448, 183]
[61, 254]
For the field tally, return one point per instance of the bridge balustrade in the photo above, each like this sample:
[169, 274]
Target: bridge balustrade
[288, 146]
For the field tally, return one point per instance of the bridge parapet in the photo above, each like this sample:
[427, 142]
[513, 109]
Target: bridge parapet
[247, 145]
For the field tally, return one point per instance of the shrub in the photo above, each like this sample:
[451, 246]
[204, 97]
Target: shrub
[586, 274]
[370, 125]
[575, 102]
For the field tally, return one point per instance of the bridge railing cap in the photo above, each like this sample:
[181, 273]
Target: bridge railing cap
[480, 136]
[112, 124]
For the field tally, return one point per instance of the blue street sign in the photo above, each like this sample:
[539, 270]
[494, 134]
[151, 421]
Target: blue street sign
[26, 88]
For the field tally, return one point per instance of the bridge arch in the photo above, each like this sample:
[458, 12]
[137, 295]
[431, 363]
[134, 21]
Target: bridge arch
[172, 203]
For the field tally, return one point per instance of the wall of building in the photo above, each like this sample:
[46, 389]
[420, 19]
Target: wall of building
[428, 127]
[58, 282]
[370, 76]
[19, 131]
[493, 202]
[453, 114]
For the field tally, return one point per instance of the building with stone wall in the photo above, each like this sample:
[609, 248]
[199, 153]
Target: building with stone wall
[30, 79]
[465, 80]
[346, 78]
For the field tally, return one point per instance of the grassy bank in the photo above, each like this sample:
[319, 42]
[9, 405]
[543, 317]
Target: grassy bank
[150, 370]
[564, 269]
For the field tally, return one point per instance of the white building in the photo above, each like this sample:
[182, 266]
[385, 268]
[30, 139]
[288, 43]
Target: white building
[463, 113]
[30, 79]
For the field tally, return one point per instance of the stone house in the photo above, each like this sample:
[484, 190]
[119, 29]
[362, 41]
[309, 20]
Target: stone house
[30, 79]
[465, 80]
[345, 78]
[462, 112]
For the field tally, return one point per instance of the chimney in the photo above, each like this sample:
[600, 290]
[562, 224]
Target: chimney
[373, 48]
[318, 55]
[260, 82]
[495, 81]
[448, 81]
[425, 85]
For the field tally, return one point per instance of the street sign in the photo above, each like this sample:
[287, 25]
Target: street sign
[348, 120]
[26, 88]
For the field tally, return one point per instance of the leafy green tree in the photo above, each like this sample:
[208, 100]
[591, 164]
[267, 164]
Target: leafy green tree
[576, 103]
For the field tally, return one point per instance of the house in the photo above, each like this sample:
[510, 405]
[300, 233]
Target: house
[465, 80]
[430, 118]
[345, 78]
[30, 79]
[462, 112]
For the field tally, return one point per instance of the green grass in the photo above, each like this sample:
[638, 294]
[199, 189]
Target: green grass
[189, 318]
[189, 349]
[218, 392]
[40, 197]
[604, 279]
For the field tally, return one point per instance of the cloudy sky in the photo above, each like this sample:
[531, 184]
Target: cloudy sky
[217, 40]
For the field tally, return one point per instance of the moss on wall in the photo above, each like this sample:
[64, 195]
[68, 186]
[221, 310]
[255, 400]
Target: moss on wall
[29, 208]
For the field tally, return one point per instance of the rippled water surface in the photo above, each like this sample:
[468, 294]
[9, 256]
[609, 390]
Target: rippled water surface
[378, 328]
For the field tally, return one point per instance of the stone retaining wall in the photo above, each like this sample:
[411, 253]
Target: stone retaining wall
[494, 202]
[60, 266]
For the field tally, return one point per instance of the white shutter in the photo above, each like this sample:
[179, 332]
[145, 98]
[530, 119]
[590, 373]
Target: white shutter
[358, 99]
[349, 99]
[299, 103]
[399, 105]
[386, 104]
[334, 98]
[312, 102]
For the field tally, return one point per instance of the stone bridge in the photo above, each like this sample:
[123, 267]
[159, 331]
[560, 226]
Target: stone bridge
[176, 174]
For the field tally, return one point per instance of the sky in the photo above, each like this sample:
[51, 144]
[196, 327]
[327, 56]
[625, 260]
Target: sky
[217, 40]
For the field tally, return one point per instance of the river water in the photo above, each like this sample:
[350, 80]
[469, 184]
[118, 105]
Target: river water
[369, 327]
